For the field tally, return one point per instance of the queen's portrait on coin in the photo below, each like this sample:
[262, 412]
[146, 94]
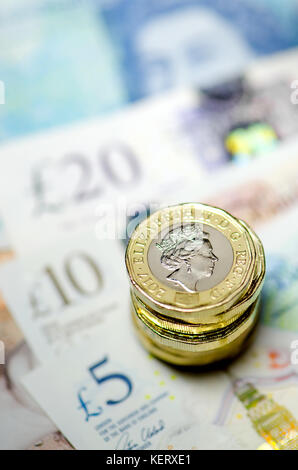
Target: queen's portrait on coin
[188, 253]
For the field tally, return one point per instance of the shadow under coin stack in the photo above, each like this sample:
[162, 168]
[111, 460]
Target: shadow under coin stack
[196, 273]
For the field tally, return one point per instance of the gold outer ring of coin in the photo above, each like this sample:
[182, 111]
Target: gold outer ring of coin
[222, 303]
[197, 351]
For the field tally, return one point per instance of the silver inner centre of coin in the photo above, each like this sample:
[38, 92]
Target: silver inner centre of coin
[190, 258]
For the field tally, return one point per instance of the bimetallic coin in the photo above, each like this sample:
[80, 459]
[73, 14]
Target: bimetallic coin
[190, 261]
[196, 275]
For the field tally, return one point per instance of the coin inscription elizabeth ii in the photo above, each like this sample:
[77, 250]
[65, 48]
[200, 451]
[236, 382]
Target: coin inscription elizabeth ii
[190, 257]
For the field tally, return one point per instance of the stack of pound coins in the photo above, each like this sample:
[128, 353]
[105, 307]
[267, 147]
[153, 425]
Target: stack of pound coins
[196, 274]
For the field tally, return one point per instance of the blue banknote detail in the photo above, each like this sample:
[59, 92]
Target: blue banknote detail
[85, 404]
[280, 294]
[122, 407]
[167, 43]
[57, 64]
[61, 61]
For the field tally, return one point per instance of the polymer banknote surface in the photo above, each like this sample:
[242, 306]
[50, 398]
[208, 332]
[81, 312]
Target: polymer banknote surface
[61, 61]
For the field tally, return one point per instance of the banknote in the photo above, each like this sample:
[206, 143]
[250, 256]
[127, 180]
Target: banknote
[64, 296]
[171, 43]
[265, 372]
[65, 60]
[57, 64]
[66, 292]
[238, 120]
[73, 177]
[79, 176]
[259, 406]
[266, 189]
[23, 423]
[112, 400]
[235, 124]
[57, 259]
